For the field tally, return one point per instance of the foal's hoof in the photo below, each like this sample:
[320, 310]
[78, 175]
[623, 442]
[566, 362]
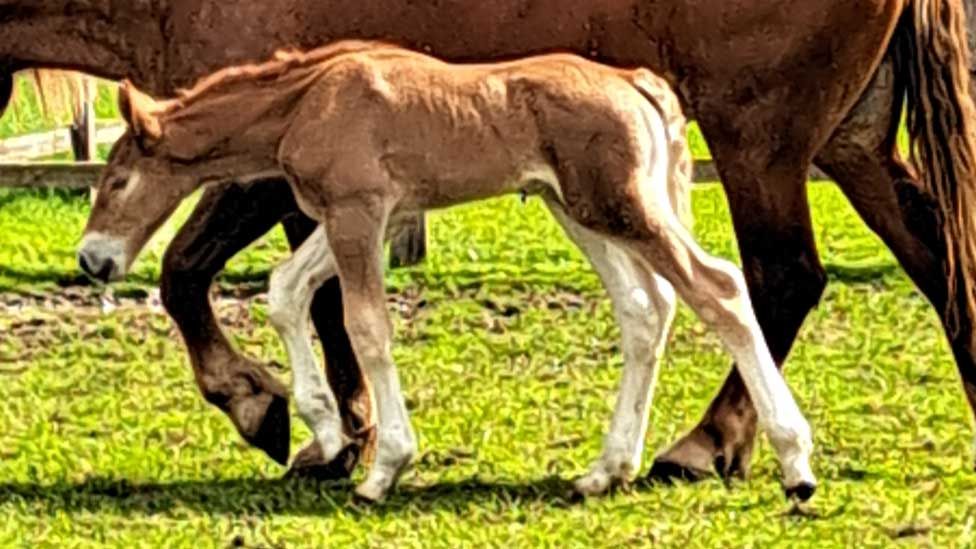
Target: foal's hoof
[596, 483]
[371, 492]
[309, 463]
[801, 492]
[273, 433]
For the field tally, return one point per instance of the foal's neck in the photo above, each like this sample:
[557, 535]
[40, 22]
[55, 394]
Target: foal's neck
[105, 38]
[245, 110]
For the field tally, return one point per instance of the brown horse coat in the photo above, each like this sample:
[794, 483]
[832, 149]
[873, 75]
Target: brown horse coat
[367, 134]
[768, 81]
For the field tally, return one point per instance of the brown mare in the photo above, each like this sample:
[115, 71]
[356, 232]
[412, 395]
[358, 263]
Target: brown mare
[774, 85]
[369, 135]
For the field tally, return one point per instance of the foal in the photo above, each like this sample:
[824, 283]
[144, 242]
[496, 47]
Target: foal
[368, 134]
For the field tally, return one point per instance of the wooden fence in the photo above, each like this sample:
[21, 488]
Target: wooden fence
[17, 171]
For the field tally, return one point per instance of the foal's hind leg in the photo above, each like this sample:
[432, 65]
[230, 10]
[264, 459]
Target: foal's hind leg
[356, 233]
[644, 308]
[779, 257]
[715, 289]
[293, 285]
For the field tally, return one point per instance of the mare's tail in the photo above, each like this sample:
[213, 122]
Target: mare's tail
[932, 61]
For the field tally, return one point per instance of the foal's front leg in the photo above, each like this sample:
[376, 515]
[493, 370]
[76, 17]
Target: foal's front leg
[356, 231]
[643, 305]
[292, 287]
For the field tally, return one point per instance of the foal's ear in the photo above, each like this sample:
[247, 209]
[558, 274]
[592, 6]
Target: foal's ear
[140, 111]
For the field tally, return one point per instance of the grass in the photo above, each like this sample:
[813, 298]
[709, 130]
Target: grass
[507, 351]
[508, 354]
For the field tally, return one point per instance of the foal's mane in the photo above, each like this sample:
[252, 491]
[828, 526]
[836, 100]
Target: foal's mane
[295, 64]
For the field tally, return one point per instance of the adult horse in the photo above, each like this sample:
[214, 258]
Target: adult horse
[770, 85]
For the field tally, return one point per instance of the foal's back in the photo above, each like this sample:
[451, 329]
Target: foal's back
[438, 134]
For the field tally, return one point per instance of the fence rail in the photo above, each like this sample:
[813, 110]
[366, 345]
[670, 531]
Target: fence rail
[59, 175]
[81, 175]
[17, 171]
[47, 144]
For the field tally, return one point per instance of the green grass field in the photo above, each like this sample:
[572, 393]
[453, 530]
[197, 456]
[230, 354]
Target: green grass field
[509, 358]
[508, 353]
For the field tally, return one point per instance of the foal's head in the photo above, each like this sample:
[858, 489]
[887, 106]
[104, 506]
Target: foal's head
[226, 128]
[134, 194]
[166, 153]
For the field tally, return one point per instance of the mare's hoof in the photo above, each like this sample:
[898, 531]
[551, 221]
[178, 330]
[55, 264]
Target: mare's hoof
[309, 463]
[257, 404]
[667, 472]
[801, 492]
[273, 435]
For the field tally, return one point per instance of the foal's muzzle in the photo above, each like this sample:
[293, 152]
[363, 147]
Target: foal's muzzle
[101, 258]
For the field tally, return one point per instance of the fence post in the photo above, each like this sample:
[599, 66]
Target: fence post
[84, 142]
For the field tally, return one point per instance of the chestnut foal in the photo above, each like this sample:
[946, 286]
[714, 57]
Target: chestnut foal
[369, 134]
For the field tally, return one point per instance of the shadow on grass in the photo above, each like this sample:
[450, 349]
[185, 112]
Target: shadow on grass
[855, 274]
[277, 496]
[21, 279]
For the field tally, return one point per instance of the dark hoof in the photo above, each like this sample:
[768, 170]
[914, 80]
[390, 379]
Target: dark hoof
[273, 435]
[309, 464]
[801, 492]
[668, 472]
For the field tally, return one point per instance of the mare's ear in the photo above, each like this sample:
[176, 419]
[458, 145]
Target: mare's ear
[141, 112]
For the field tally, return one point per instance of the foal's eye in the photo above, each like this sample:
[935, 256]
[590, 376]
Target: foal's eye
[118, 183]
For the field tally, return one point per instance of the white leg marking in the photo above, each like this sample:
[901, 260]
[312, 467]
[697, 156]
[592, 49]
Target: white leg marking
[735, 322]
[371, 332]
[644, 308]
[395, 441]
[293, 284]
[779, 414]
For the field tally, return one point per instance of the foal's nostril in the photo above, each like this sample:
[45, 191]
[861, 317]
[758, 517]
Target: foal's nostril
[83, 263]
[98, 269]
[86, 264]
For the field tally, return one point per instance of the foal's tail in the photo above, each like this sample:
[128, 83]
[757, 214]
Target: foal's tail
[932, 57]
[659, 94]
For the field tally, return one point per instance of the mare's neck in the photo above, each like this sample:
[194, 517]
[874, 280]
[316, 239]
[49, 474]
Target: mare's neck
[107, 38]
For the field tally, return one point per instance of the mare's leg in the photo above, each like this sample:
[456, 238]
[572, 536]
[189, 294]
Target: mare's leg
[293, 285]
[344, 374]
[763, 133]
[781, 265]
[644, 308]
[227, 218]
[863, 158]
[716, 291]
[356, 230]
